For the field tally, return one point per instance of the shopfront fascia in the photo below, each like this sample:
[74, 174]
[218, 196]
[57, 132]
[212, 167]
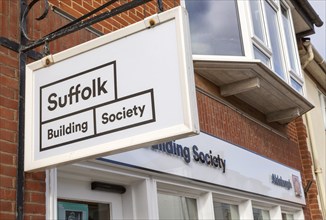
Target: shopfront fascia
[201, 174]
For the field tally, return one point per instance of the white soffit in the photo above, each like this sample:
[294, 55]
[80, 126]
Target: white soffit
[255, 84]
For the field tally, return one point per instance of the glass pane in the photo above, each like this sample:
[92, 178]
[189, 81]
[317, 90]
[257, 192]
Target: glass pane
[289, 40]
[176, 207]
[257, 20]
[260, 214]
[261, 56]
[297, 86]
[323, 106]
[286, 216]
[79, 210]
[224, 211]
[211, 33]
[274, 40]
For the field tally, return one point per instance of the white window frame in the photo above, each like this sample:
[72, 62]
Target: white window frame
[265, 47]
[262, 209]
[227, 201]
[296, 75]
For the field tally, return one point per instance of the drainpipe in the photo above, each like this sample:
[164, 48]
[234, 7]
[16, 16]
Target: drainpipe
[308, 56]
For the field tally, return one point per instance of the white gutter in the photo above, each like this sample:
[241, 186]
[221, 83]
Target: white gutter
[309, 56]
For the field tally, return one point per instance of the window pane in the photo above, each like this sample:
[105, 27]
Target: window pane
[260, 214]
[323, 106]
[261, 56]
[176, 207]
[257, 20]
[286, 216]
[274, 40]
[296, 86]
[324, 112]
[224, 211]
[211, 33]
[80, 210]
[289, 40]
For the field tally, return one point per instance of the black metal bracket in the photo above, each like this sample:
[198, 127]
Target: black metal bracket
[25, 13]
[15, 46]
[79, 23]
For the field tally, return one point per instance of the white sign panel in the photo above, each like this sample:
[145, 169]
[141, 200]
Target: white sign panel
[208, 159]
[112, 94]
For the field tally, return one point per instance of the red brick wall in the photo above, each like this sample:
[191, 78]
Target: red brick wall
[8, 110]
[221, 121]
[225, 123]
[312, 210]
[77, 8]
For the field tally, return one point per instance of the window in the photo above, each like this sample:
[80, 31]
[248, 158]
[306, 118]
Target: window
[266, 35]
[323, 106]
[210, 33]
[176, 207]
[290, 45]
[79, 210]
[274, 40]
[297, 86]
[261, 56]
[286, 216]
[274, 36]
[260, 214]
[257, 20]
[223, 211]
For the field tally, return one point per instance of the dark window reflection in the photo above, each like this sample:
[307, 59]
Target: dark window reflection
[214, 27]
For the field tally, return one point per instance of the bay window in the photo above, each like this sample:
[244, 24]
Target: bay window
[227, 28]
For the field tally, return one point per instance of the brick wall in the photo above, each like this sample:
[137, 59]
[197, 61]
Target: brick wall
[8, 110]
[222, 121]
[77, 8]
[312, 210]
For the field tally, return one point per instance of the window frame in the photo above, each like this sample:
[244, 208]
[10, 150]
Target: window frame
[262, 209]
[176, 194]
[228, 202]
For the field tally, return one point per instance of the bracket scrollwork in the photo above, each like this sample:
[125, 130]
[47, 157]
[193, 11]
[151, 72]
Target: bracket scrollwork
[27, 10]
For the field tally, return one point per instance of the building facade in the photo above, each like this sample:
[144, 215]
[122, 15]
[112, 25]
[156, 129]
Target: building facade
[315, 78]
[251, 159]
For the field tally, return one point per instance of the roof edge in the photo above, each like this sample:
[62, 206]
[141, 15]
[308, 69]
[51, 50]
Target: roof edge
[308, 10]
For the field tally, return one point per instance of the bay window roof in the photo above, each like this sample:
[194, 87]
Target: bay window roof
[254, 83]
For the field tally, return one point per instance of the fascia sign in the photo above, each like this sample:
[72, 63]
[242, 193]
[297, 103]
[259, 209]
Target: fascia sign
[208, 159]
[113, 94]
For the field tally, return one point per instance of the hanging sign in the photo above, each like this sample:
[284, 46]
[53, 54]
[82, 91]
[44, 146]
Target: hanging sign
[120, 91]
